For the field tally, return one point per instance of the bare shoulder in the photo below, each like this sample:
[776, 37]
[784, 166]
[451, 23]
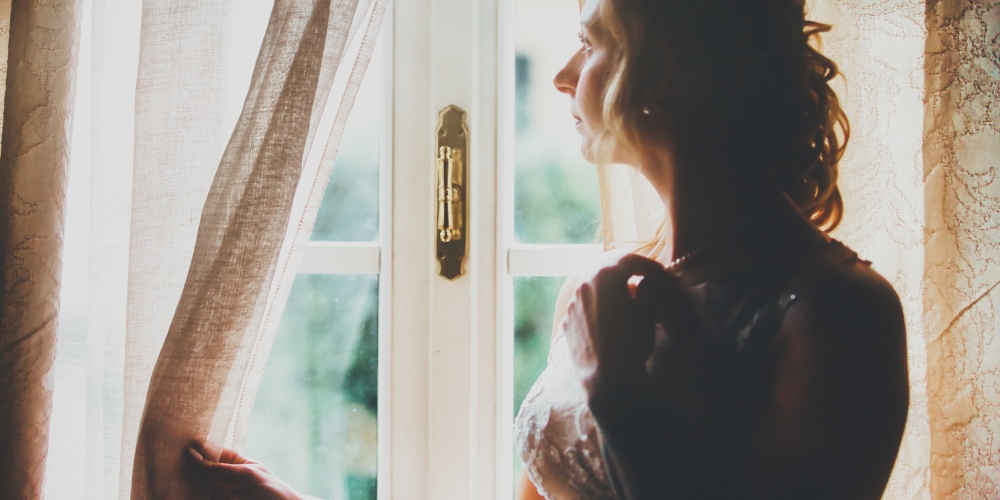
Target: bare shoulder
[573, 282]
[839, 387]
[846, 304]
[846, 333]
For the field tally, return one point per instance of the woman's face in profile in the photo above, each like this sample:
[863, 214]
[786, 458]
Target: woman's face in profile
[584, 77]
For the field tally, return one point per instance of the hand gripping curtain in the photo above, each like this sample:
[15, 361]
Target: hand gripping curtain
[258, 212]
[34, 157]
[921, 180]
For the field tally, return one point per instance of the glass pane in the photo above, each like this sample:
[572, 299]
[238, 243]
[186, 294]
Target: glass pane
[534, 305]
[556, 197]
[349, 211]
[314, 419]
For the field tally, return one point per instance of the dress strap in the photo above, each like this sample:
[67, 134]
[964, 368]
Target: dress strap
[767, 320]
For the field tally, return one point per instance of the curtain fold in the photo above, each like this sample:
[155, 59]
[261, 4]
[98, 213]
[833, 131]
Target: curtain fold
[317, 167]
[180, 131]
[115, 33]
[34, 158]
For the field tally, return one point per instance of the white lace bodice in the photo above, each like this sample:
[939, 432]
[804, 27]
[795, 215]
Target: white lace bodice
[557, 436]
[555, 431]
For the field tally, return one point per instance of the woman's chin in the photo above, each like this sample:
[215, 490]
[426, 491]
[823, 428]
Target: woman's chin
[587, 149]
[587, 153]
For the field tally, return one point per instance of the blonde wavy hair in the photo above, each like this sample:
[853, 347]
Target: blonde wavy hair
[747, 74]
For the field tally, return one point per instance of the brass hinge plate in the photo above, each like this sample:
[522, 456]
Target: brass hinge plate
[451, 196]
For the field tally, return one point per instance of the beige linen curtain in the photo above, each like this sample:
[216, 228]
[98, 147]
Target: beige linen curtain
[259, 211]
[187, 219]
[921, 178]
[199, 373]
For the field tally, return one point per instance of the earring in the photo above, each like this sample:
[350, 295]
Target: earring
[646, 110]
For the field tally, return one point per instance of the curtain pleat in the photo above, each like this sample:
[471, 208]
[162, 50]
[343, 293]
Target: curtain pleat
[308, 199]
[181, 129]
[34, 158]
[115, 32]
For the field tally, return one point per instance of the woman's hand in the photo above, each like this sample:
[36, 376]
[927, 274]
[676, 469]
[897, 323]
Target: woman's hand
[611, 322]
[643, 337]
[235, 476]
[653, 379]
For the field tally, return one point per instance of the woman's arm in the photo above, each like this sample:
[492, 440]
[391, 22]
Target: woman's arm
[562, 304]
[610, 332]
[526, 489]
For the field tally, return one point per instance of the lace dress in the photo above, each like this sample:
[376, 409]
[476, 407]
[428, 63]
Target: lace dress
[556, 434]
[554, 430]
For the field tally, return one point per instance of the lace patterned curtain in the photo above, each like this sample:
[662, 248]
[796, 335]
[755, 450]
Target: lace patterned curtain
[190, 199]
[962, 246]
[922, 191]
[34, 157]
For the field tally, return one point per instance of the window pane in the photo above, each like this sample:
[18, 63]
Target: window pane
[314, 419]
[556, 195]
[534, 305]
[349, 211]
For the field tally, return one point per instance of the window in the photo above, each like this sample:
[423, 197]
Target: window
[386, 378]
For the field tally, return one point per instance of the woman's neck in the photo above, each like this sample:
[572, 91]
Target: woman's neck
[703, 208]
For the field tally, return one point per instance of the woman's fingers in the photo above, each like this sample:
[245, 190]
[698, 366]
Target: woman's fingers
[633, 278]
[637, 265]
[231, 456]
[635, 262]
[237, 476]
[225, 475]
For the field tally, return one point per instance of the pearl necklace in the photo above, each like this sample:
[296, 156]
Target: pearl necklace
[661, 243]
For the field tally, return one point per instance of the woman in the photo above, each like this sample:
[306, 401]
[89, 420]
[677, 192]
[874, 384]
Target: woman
[745, 354]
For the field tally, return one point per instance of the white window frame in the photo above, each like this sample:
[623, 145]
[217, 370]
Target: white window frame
[444, 432]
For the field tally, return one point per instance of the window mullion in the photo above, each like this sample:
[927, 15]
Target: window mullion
[549, 260]
[341, 258]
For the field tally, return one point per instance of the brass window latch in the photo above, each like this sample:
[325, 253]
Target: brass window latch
[452, 192]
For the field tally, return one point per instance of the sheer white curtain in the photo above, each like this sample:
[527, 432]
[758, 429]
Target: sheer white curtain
[921, 188]
[880, 49]
[204, 135]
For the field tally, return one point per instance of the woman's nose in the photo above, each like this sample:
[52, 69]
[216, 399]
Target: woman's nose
[566, 78]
